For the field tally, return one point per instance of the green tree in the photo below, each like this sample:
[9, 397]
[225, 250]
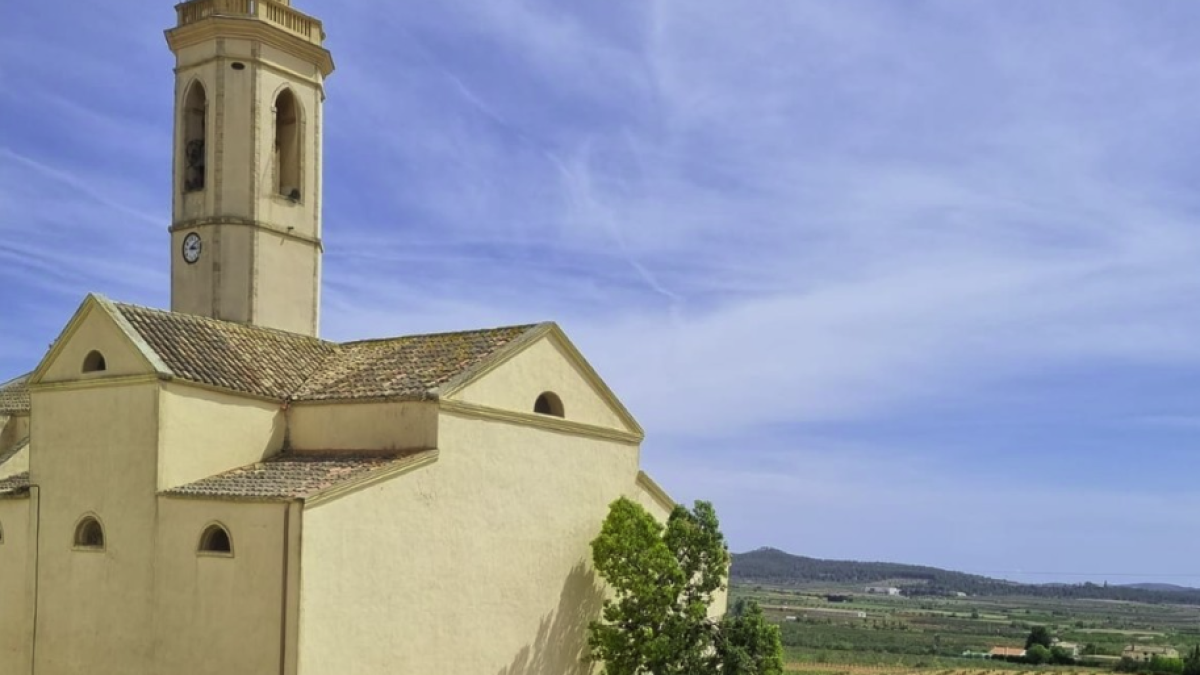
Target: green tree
[663, 579]
[1040, 635]
[1166, 666]
[748, 645]
[1037, 654]
[1191, 662]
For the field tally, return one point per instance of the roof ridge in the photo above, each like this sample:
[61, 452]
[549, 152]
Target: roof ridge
[20, 379]
[523, 326]
[121, 306]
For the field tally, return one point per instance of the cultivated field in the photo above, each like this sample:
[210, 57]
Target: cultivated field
[878, 635]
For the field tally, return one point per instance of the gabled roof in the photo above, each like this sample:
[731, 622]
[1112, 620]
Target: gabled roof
[287, 477]
[14, 395]
[235, 356]
[404, 367]
[280, 365]
[15, 486]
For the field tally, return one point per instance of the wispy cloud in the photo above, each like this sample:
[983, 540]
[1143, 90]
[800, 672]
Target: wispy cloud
[756, 220]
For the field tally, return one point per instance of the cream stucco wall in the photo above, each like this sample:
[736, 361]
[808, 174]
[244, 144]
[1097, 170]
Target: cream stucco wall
[15, 589]
[214, 614]
[375, 426]
[478, 563]
[95, 454]
[93, 330]
[14, 432]
[205, 432]
[544, 366]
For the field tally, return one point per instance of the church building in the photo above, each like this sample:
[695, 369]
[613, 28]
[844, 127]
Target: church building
[216, 490]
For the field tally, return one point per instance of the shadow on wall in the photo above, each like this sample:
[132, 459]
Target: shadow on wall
[561, 642]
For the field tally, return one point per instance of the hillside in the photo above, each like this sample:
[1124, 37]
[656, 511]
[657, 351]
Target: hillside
[775, 567]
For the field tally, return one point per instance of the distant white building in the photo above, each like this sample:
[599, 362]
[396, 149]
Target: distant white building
[1147, 652]
[1071, 648]
[883, 590]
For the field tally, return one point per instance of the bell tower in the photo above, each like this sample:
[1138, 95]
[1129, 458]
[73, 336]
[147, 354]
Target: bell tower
[246, 206]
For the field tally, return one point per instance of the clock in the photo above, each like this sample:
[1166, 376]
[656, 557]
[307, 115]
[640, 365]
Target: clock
[191, 248]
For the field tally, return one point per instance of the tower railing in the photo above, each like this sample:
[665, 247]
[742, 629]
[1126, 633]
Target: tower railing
[274, 12]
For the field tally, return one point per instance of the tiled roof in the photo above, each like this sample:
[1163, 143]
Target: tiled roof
[286, 477]
[280, 365]
[234, 356]
[15, 486]
[404, 367]
[14, 395]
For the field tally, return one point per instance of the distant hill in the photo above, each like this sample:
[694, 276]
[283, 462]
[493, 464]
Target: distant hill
[1166, 588]
[775, 567]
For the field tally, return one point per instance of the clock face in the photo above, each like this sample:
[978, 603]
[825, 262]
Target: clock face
[191, 248]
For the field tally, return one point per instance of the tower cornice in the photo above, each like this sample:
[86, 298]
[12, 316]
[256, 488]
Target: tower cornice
[250, 27]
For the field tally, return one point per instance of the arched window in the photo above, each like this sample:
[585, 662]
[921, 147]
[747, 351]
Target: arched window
[215, 539]
[287, 145]
[195, 113]
[548, 403]
[1, 535]
[94, 362]
[89, 534]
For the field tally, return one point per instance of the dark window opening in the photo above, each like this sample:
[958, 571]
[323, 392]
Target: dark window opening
[195, 112]
[548, 404]
[89, 534]
[287, 145]
[216, 540]
[94, 363]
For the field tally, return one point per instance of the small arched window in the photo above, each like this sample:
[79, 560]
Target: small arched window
[216, 539]
[287, 145]
[548, 403]
[94, 362]
[195, 126]
[89, 534]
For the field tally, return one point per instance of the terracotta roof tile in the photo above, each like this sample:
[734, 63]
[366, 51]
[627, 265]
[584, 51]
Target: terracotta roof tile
[403, 367]
[15, 486]
[235, 356]
[14, 395]
[281, 365]
[286, 477]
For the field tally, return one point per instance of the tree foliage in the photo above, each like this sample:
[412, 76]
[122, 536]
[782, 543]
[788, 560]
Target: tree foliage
[1039, 635]
[1037, 654]
[748, 645]
[663, 580]
[1191, 662]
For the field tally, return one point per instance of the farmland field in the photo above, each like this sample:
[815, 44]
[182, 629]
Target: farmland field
[881, 635]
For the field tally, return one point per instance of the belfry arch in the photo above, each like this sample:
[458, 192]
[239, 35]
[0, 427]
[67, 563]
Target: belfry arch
[195, 138]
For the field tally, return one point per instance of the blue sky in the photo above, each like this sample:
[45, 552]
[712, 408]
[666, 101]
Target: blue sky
[898, 281]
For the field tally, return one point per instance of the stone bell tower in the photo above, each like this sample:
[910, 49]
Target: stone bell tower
[246, 215]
